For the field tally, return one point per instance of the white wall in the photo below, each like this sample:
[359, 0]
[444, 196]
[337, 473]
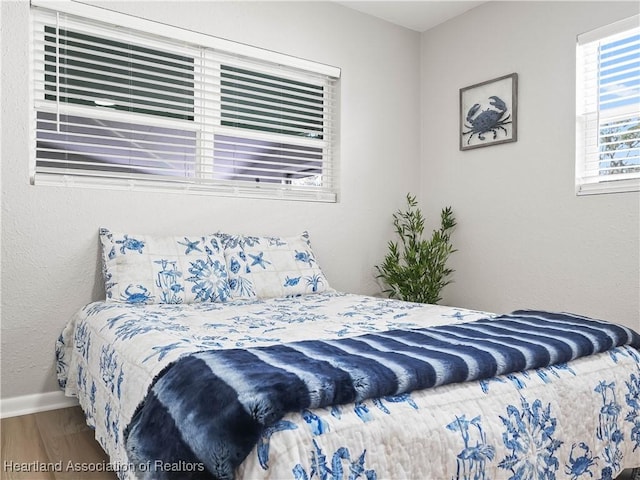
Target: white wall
[50, 262]
[524, 239]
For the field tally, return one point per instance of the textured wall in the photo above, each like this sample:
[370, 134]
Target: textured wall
[524, 238]
[50, 264]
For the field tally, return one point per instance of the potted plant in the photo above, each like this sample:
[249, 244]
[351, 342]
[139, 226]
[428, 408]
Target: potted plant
[414, 268]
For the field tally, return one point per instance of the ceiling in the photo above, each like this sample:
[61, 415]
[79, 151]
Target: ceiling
[419, 15]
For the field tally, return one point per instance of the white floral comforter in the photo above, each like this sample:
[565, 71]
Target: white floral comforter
[575, 420]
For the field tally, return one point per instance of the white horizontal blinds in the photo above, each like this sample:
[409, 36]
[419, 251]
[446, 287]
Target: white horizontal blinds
[109, 105]
[619, 105]
[76, 145]
[247, 159]
[274, 125]
[257, 101]
[609, 103]
[90, 70]
[116, 102]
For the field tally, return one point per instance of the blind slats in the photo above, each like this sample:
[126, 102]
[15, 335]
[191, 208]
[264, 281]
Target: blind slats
[141, 84]
[223, 110]
[132, 107]
[156, 169]
[75, 125]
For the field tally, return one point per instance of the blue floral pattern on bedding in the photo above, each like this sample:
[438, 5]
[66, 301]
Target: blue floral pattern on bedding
[272, 267]
[145, 269]
[110, 352]
[340, 459]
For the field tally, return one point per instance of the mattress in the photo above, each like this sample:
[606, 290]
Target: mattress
[569, 419]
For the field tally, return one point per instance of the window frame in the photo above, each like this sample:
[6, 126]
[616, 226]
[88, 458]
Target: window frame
[208, 46]
[589, 182]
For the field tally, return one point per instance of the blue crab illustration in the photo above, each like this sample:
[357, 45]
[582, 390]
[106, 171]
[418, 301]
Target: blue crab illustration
[130, 244]
[136, 294]
[489, 120]
[580, 465]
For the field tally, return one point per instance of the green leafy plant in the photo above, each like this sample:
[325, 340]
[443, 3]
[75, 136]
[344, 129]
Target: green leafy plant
[414, 268]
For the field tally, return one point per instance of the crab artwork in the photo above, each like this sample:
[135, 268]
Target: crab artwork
[580, 465]
[135, 294]
[490, 120]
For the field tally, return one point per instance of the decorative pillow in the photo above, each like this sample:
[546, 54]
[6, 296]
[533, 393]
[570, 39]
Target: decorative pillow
[145, 269]
[270, 267]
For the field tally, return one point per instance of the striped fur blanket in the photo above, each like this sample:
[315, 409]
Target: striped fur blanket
[213, 406]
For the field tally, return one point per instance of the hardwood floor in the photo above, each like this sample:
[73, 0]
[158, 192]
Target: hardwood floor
[57, 445]
[51, 445]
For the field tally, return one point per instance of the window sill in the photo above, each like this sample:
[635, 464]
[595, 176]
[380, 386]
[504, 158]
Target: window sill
[615, 186]
[222, 190]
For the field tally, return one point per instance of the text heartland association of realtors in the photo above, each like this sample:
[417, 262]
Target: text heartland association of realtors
[71, 466]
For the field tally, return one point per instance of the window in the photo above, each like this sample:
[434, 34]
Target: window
[608, 109]
[131, 106]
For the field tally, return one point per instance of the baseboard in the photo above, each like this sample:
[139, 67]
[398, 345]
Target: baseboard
[39, 402]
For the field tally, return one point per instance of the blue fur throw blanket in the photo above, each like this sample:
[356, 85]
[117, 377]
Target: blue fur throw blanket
[210, 408]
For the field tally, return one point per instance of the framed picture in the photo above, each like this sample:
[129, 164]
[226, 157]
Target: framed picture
[488, 112]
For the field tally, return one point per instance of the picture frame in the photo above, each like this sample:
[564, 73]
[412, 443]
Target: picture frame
[489, 112]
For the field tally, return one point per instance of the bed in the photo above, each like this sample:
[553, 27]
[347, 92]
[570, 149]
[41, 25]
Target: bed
[224, 356]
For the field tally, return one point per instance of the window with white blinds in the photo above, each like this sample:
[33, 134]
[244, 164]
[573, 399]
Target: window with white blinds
[131, 106]
[608, 109]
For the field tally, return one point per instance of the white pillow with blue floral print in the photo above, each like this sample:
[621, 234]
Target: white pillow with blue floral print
[146, 269]
[271, 267]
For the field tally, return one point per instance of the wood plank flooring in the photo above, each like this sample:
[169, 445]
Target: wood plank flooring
[62, 445]
[52, 445]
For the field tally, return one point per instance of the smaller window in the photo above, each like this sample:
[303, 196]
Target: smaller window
[608, 109]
